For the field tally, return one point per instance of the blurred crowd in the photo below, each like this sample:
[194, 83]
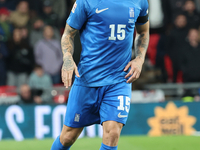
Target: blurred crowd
[174, 47]
[30, 50]
[31, 56]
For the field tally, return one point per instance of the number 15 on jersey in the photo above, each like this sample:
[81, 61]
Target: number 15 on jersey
[121, 33]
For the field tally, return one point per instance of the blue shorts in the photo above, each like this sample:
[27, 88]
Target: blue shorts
[94, 105]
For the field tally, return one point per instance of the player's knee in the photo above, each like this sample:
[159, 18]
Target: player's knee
[112, 135]
[112, 130]
[67, 140]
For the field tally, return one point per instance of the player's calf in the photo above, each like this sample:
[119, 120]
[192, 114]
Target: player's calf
[111, 137]
[67, 137]
[58, 146]
[111, 134]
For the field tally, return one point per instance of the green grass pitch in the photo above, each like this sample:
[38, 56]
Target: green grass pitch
[125, 143]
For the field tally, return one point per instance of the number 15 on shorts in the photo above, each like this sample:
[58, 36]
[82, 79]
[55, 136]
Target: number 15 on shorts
[124, 103]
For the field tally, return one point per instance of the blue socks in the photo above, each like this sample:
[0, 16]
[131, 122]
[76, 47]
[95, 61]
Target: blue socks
[58, 146]
[105, 147]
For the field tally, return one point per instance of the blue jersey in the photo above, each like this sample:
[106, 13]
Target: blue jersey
[106, 31]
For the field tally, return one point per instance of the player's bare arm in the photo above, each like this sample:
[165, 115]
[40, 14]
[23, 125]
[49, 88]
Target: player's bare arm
[69, 66]
[141, 45]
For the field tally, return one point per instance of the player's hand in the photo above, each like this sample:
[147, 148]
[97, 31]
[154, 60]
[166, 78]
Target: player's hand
[68, 68]
[136, 68]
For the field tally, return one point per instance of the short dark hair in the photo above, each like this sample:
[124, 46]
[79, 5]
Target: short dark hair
[38, 66]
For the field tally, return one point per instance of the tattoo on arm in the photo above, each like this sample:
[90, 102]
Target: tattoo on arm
[68, 63]
[141, 45]
[67, 41]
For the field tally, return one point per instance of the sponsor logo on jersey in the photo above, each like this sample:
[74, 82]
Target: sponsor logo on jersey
[122, 116]
[99, 11]
[77, 118]
[131, 12]
[74, 7]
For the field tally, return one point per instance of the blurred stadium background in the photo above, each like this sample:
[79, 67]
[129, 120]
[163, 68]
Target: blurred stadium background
[165, 100]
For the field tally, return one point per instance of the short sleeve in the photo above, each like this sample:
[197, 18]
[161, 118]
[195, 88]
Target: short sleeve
[78, 15]
[143, 16]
